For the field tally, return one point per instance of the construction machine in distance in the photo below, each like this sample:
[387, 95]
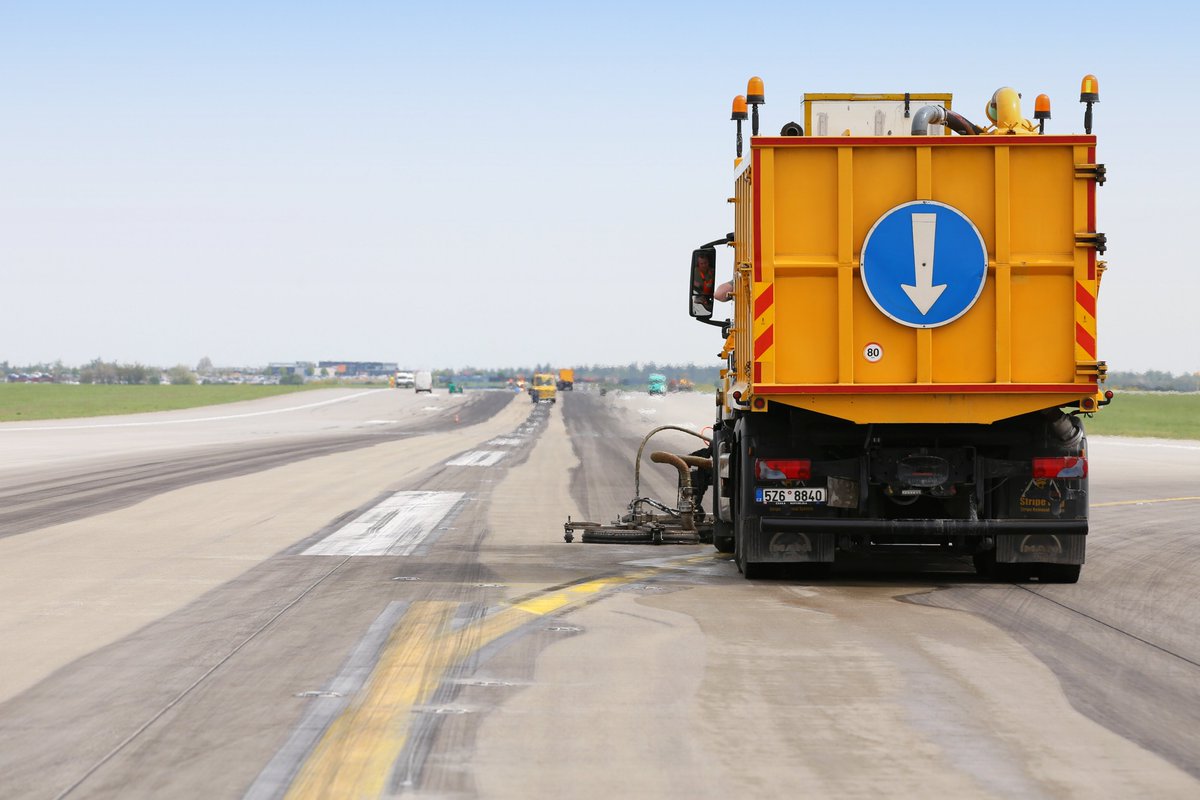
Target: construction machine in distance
[566, 380]
[543, 388]
[913, 342]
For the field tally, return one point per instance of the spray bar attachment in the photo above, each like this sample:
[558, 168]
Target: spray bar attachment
[650, 521]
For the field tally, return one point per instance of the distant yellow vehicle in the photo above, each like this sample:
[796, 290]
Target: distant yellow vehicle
[543, 388]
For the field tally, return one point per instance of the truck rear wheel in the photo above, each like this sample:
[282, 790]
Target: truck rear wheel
[748, 569]
[1058, 573]
[744, 526]
[722, 531]
[723, 536]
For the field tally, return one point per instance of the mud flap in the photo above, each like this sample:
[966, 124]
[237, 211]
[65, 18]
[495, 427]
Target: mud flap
[1040, 548]
[769, 546]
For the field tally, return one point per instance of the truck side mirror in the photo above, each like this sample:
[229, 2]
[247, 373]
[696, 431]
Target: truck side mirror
[704, 271]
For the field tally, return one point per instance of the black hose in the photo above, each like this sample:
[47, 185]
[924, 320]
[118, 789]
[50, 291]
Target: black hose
[961, 125]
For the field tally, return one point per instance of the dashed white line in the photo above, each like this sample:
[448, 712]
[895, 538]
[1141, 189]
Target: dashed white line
[476, 458]
[1106, 441]
[394, 527]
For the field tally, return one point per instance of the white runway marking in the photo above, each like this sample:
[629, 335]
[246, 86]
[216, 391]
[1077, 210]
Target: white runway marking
[1104, 440]
[476, 458]
[506, 441]
[6, 429]
[395, 527]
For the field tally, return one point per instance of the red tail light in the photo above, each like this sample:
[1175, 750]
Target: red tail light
[1065, 467]
[782, 469]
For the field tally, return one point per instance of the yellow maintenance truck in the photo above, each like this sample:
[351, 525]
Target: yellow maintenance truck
[543, 389]
[913, 336]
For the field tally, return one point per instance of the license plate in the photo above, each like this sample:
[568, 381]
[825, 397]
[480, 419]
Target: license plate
[804, 495]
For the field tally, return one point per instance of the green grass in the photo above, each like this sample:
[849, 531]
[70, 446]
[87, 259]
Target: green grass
[23, 401]
[1162, 415]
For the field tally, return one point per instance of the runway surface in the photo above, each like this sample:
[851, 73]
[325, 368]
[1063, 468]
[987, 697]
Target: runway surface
[367, 594]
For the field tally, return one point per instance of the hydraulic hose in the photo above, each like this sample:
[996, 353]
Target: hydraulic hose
[685, 483]
[938, 115]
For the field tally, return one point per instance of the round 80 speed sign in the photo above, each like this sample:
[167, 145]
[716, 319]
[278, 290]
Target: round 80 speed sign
[873, 352]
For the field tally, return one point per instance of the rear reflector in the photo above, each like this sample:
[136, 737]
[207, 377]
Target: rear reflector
[782, 469]
[1065, 467]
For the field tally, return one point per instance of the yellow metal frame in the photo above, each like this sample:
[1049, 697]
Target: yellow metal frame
[802, 315]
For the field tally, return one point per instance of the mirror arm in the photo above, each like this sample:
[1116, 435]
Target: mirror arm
[726, 239]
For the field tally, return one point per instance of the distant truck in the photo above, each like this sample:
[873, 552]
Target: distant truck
[423, 381]
[543, 389]
[657, 384]
[404, 380]
[566, 380]
[912, 348]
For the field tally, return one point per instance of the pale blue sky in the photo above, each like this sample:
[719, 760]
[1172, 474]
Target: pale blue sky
[491, 184]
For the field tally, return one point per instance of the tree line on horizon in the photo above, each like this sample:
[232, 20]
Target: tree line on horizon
[100, 371]
[629, 374]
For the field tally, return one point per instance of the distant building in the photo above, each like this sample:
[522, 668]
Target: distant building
[288, 367]
[360, 369]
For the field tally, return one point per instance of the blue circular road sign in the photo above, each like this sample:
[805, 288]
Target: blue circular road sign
[924, 264]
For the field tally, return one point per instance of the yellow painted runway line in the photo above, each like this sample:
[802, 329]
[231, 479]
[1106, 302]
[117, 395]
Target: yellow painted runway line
[1144, 502]
[356, 755]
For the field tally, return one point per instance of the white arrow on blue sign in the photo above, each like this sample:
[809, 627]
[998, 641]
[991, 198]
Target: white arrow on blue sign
[924, 264]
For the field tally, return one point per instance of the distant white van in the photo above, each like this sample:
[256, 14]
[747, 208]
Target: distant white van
[423, 381]
[404, 380]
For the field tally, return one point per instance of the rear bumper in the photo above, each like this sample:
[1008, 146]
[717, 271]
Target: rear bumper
[788, 539]
[926, 527]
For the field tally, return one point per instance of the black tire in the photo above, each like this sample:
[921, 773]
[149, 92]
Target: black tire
[813, 571]
[741, 533]
[744, 526]
[985, 563]
[723, 537]
[1014, 573]
[749, 570]
[1059, 573]
[722, 531]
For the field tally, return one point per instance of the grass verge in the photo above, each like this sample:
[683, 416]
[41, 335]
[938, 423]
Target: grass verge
[26, 401]
[1162, 415]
